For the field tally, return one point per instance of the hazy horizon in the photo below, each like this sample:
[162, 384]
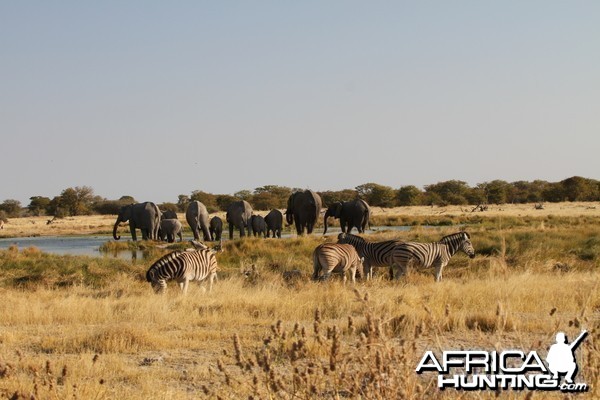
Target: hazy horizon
[154, 100]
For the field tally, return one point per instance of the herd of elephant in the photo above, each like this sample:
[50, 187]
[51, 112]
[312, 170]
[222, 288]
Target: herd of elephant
[303, 210]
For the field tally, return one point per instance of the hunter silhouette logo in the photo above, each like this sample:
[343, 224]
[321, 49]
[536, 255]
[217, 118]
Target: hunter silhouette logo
[561, 356]
[508, 369]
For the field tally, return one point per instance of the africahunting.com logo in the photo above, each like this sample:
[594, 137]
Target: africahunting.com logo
[509, 369]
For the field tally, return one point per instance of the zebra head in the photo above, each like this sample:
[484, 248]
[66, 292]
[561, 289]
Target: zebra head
[159, 285]
[459, 241]
[466, 246]
[348, 238]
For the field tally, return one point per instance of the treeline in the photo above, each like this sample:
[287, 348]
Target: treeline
[83, 201]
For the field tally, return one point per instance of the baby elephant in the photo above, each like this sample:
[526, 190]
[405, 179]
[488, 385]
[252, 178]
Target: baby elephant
[216, 229]
[259, 226]
[274, 221]
[169, 228]
[339, 258]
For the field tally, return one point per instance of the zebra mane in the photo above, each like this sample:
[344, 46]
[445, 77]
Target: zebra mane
[351, 236]
[458, 235]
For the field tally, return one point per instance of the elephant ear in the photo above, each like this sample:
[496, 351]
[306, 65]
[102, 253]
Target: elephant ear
[338, 209]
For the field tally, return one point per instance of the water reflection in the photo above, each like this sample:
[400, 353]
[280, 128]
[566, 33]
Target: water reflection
[90, 245]
[74, 245]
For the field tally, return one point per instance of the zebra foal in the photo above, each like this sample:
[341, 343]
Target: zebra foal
[339, 258]
[436, 254]
[184, 267]
[375, 254]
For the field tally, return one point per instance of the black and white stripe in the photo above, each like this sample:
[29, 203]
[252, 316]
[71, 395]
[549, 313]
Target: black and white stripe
[183, 266]
[339, 258]
[376, 254]
[436, 254]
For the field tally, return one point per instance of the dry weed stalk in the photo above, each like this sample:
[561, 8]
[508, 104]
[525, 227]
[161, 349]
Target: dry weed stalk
[333, 363]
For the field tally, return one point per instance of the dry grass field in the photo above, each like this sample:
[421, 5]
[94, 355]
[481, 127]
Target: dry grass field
[91, 328]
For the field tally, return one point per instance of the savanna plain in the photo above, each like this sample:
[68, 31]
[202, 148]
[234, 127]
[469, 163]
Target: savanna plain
[92, 328]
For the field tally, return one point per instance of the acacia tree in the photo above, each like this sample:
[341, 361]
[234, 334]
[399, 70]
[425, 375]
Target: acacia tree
[377, 195]
[409, 196]
[12, 208]
[77, 200]
[38, 205]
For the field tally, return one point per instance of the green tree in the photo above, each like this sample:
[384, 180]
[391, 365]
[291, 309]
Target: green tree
[208, 199]
[496, 192]
[272, 196]
[377, 195]
[224, 200]
[409, 196]
[450, 192]
[77, 200]
[329, 197]
[265, 201]
[12, 208]
[38, 205]
[577, 188]
[182, 202]
[244, 195]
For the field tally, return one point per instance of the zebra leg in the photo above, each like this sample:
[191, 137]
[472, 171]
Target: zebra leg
[184, 286]
[439, 266]
[352, 274]
[212, 277]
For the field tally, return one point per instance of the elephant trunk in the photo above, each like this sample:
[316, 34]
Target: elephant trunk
[289, 217]
[115, 230]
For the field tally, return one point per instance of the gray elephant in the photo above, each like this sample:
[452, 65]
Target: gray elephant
[215, 228]
[143, 216]
[169, 214]
[274, 221]
[352, 214]
[259, 226]
[196, 216]
[169, 228]
[303, 209]
[238, 216]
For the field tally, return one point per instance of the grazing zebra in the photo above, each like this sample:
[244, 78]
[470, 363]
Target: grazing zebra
[334, 257]
[375, 254]
[436, 254]
[184, 266]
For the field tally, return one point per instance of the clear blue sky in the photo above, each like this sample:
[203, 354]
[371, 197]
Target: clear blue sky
[155, 99]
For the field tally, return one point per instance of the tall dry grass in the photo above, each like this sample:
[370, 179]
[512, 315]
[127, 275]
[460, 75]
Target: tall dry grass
[78, 327]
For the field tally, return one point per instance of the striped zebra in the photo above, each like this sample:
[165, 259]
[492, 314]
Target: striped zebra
[376, 254]
[183, 266]
[339, 258]
[436, 254]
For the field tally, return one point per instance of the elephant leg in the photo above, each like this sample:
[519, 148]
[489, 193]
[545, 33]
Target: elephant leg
[205, 233]
[230, 231]
[133, 234]
[242, 230]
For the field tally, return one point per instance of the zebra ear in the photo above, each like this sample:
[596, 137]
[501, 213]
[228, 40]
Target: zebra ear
[467, 236]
